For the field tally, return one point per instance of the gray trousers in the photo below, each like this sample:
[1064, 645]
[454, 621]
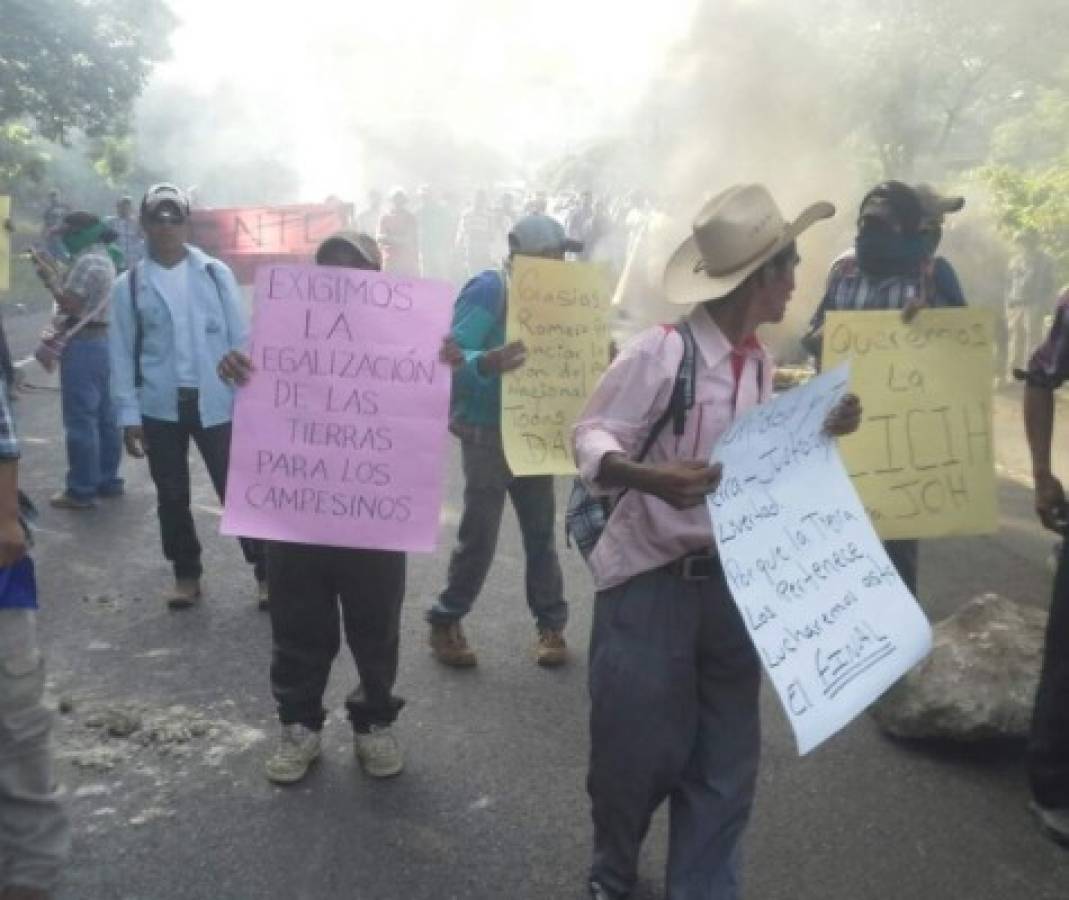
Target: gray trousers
[34, 833]
[905, 556]
[674, 715]
[487, 482]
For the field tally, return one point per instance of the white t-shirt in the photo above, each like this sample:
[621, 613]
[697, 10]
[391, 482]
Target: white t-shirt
[173, 283]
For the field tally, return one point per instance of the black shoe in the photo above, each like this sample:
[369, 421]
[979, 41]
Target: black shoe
[598, 892]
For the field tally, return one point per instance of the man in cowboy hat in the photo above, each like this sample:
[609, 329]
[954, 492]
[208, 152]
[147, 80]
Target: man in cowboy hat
[673, 675]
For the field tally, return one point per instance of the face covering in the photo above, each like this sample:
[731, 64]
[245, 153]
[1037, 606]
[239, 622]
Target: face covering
[932, 236]
[77, 241]
[882, 253]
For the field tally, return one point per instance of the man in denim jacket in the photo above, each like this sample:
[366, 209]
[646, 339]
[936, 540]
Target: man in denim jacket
[175, 314]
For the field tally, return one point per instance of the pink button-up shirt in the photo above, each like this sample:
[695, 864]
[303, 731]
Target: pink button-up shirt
[644, 532]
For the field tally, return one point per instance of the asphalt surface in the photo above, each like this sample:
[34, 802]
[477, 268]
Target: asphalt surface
[492, 802]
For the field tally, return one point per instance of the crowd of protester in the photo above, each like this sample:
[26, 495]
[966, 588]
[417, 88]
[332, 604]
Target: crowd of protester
[150, 335]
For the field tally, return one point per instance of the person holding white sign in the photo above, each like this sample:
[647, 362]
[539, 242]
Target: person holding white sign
[673, 675]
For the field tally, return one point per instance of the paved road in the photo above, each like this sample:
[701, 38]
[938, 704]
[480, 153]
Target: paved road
[492, 804]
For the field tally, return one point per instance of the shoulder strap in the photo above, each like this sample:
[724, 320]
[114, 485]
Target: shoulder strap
[215, 280]
[682, 398]
[139, 327]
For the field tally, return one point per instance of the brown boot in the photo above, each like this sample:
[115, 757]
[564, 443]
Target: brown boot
[185, 594]
[450, 647]
[551, 651]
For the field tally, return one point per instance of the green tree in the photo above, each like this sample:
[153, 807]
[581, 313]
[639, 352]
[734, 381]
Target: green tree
[69, 65]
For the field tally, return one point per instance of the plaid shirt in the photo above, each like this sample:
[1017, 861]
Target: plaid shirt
[9, 443]
[851, 289]
[90, 278]
[1049, 366]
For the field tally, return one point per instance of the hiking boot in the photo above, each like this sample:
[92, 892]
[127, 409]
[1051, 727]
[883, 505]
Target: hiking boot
[378, 751]
[551, 651]
[185, 594]
[297, 749]
[1054, 822]
[450, 647]
[262, 596]
[63, 500]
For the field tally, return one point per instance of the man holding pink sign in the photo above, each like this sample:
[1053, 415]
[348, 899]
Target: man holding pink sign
[338, 461]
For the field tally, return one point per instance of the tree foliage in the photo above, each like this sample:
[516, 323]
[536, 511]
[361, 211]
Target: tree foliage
[70, 65]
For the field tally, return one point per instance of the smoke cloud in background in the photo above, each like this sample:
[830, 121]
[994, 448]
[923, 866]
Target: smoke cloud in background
[347, 96]
[273, 104]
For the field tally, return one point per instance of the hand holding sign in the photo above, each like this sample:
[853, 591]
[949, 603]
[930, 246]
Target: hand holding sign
[340, 437]
[924, 462]
[830, 618]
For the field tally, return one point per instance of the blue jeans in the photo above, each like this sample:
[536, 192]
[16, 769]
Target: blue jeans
[487, 482]
[94, 445]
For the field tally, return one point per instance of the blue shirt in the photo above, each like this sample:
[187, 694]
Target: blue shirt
[218, 326]
[478, 326]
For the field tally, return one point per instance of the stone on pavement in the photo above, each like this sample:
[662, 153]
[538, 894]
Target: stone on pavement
[980, 680]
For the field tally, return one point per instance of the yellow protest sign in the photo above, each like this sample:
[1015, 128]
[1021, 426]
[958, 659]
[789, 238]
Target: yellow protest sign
[561, 313]
[5, 245]
[923, 459]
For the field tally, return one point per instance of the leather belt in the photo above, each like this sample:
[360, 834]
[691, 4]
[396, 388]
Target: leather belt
[695, 567]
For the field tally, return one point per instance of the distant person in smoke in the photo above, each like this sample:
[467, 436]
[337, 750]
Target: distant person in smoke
[398, 234]
[129, 238]
[51, 221]
[1032, 290]
[175, 314]
[475, 236]
[1048, 745]
[435, 234]
[537, 204]
[504, 219]
[580, 222]
[367, 220]
[94, 448]
[477, 350]
[892, 266]
[309, 586]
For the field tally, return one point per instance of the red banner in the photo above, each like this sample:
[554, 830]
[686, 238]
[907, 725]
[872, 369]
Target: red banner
[266, 235]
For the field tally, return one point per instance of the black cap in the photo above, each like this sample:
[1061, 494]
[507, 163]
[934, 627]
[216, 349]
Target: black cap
[165, 202]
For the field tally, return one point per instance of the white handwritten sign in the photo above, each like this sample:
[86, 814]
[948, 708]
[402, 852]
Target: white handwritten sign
[833, 623]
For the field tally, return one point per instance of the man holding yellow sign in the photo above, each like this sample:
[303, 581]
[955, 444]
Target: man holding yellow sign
[477, 350]
[896, 457]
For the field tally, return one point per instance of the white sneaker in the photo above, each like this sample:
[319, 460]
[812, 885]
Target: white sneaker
[297, 749]
[378, 751]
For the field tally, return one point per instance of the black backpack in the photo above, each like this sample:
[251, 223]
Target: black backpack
[586, 516]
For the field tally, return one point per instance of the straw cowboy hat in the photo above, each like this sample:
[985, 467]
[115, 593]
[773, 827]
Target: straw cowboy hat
[734, 234]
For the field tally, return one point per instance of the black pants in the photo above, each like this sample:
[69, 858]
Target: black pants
[167, 448]
[306, 583]
[1048, 746]
[904, 556]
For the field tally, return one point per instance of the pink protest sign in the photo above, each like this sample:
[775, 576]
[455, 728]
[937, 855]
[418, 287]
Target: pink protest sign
[339, 438]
